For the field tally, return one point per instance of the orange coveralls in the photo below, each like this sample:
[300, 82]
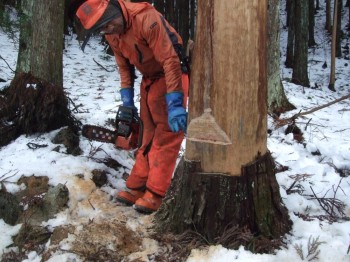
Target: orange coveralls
[148, 45]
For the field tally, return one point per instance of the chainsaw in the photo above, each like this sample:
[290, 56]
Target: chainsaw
[126, 136]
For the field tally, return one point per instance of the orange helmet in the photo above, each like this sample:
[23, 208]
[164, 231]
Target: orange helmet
[94, 14]
[91, 11]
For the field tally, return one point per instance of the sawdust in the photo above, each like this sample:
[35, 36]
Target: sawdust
[103, 230]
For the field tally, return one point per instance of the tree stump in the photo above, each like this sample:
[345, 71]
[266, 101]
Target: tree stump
[210, 203]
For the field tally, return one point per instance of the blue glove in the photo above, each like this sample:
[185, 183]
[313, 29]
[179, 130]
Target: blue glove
[127, 96]
[177, 115]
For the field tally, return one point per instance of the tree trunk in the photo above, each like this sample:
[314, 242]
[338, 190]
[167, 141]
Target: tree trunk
[338, 52]
[277, 101]
[317, 5]
[328, 25]
[348, 5]
[193, 14]
[218, 61]
[35, 101]
[312, 41]
[219, 187]
[184, 19]
[291, 33]
[331, 84]
[170, 12]
[300, 65]
[41, 40]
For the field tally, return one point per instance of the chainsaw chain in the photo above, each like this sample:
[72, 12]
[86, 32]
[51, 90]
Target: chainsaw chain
[98, 133]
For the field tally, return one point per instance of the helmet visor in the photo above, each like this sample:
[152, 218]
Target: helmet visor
[110, 13]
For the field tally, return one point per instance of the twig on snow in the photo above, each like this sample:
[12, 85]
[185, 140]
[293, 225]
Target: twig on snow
[282, 122]
[110, 71]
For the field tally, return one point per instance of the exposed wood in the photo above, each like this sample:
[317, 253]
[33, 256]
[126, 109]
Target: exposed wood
[239, 83]
[219, 189]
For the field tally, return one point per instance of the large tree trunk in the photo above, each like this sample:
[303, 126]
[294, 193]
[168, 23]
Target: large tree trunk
[41, 40]
[300, 61]
[235, 68]
[277, 101]
[218, 187]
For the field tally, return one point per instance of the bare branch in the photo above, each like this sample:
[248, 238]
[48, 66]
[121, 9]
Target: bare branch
[7, 64]
[282, 122]
[102, 66]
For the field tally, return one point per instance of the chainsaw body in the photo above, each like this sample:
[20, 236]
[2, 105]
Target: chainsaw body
[129, 129]
[126, 136]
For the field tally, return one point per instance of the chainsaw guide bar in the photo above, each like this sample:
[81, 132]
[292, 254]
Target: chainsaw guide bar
[127, 134]
[100, 134]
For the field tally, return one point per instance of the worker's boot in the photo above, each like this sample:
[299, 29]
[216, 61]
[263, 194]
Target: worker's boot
[149, 203]
[129, 197]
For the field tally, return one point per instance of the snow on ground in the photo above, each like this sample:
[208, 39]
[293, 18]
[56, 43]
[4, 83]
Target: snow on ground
[94, 92]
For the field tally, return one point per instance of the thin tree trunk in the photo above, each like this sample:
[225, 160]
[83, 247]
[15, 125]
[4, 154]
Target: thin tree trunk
[312, 41]
[317, 5]
[170, 12]
[328, 25]
[291, 34]
[193, 14]
[348, 5]
[338, 52]
[300, 61]
[184, 19]
[277, 101]
[331, 85]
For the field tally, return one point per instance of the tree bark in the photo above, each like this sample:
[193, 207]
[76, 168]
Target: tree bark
[277, 101]
[300, 60]
[41, 40]
[211, 203]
